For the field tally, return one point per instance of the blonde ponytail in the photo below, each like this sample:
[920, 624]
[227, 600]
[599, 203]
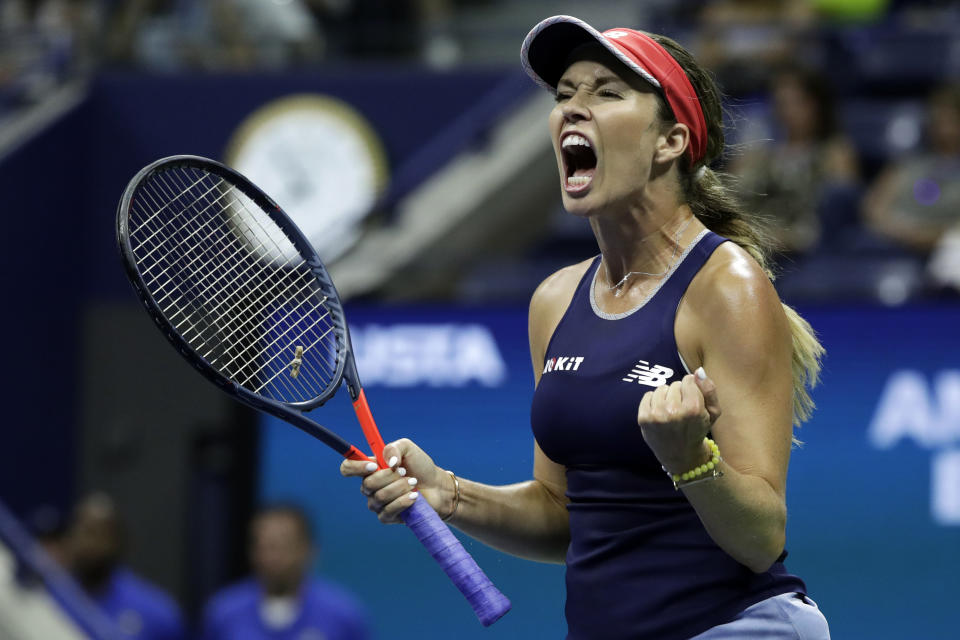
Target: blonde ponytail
[716, 205]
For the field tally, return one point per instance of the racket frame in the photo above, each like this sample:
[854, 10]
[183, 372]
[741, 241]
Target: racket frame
[487, 602]
[289, 411]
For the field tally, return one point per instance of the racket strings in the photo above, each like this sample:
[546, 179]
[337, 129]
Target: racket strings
[169, 299]
[238, 290]
[189, 318]
[166, 225]
[308, 282]
[233, 243]
[276, 340]
[247, 345]
[210, 287]
[224, 314]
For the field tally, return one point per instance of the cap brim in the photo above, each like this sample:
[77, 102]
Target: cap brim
[547, 47]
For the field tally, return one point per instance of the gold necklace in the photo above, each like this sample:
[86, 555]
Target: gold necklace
[673, 262]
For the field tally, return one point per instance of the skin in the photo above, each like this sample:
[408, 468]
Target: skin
[798, 114]
[280, 553]
[879, 204]
[94, 542]
[796, 110]
[730, 322]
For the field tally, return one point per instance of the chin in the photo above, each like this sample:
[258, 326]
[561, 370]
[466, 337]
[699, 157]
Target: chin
[582, 205]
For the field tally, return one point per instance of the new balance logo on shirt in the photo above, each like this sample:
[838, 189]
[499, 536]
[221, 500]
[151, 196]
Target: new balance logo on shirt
[642, 373]
[652, 376]
[565, 363]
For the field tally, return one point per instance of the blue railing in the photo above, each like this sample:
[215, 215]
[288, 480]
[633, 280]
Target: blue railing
[34, 564]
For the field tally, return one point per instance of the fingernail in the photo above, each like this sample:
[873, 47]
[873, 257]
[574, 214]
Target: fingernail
[392, 461]
[412, 496]
[402, 471]
[701, 373]
[371, 466]
[411, 481]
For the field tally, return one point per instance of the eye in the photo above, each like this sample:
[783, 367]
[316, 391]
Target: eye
[560, 97]
[607, 93]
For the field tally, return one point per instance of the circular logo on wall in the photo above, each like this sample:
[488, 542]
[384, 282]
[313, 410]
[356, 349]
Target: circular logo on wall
[319, 159]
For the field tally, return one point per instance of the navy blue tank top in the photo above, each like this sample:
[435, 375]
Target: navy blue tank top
[640, 564]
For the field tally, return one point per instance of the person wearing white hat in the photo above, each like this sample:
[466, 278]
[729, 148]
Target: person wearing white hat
[669, 374]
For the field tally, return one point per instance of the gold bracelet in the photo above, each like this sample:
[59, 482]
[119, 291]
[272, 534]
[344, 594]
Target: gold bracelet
[456, 496]
[707, 471]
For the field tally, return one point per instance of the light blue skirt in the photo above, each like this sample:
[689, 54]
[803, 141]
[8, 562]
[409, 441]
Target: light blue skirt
[789, 616]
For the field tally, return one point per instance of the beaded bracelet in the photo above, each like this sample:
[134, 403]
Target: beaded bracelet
[456, 496]
[706, 471]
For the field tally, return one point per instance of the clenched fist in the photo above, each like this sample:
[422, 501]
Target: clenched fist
[675, 419]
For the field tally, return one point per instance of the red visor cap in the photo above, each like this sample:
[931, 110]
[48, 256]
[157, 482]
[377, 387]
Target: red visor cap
[548, 45]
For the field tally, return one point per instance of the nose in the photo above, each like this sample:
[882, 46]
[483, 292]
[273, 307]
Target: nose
[573, 109]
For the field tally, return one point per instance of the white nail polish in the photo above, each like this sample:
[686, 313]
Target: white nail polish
[411, 481]
[412, 495]
[402, 471]
[701, 373]
[392, 461]
[371, 466]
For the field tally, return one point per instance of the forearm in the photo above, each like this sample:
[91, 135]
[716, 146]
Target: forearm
[523, 519]
[743, 514]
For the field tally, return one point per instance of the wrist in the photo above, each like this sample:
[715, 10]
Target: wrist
[451, 495]
[693, 457]
[707, 470]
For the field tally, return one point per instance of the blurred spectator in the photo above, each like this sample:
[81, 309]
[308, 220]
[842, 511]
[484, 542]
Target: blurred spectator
[850, 11]
[275, 34]
[42, 44]
[143, 33]
[944, 267]
[49, 528]
[281, 601]
[377, 29]
[742, 40]
[95, 543]
[916, 199]
[220, 34]
[803, 179]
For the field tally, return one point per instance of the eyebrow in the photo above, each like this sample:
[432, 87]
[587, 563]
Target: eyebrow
[599, 81]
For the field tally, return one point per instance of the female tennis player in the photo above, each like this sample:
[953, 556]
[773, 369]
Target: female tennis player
[669, 375]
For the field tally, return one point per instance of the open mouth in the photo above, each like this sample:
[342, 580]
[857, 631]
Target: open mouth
[579, 161]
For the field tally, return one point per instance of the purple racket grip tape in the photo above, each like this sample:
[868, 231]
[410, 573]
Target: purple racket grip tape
[487, 601]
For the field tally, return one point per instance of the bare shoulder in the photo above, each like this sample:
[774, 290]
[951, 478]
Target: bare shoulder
[550, 301]
[732, 283]
[732, 305]
[558, 287]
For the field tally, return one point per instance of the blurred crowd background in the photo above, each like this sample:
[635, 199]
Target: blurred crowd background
[844, 115]
[843, 126]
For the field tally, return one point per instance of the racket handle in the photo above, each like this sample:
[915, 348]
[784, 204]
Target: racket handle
[487, 601]
[370, 431]
[355, 454]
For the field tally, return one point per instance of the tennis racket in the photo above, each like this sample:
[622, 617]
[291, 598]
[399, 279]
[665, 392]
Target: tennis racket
[239, 291]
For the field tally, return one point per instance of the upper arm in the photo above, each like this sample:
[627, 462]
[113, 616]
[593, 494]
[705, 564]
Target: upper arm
[877, 204]
[841, 160]
[733, 321]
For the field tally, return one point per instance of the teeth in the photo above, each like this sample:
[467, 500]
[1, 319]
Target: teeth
[574, 139]
[578, 181]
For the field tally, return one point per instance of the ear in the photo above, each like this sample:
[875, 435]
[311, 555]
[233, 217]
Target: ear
[672, 143]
